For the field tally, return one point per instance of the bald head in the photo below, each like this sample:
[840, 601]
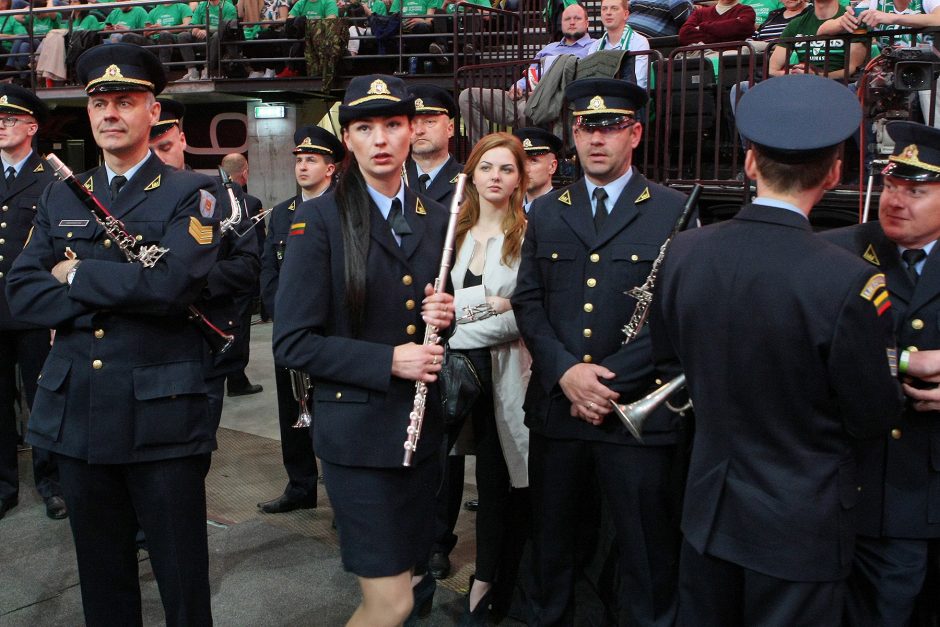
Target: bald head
[236, 166]
[574, 22]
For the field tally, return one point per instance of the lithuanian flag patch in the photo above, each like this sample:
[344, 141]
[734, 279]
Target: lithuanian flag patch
[298, 228]
[876, 291]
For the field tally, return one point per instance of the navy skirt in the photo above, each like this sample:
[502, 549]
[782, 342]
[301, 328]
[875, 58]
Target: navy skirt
[384, 516]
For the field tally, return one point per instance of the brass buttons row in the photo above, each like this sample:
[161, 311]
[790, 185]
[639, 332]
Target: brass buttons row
[591, 282]
[97, 364]
[917, 324]
[407, 280]
[411, 329]
[409, 304]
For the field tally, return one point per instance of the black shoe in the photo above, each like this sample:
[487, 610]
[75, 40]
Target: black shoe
[476, 616]
[8, 504]
[472, 505]
[424, 598]
[285, 503]
[55, 508]
[439, 565]
[251, 388]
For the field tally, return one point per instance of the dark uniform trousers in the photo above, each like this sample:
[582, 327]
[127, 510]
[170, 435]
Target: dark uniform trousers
[20, 344]
[450, 495]
[570, 305]
[297, 452]
[788, 352]
[122, 396]
[899, 507]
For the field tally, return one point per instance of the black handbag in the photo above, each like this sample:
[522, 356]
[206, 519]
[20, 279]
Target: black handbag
[459, 386]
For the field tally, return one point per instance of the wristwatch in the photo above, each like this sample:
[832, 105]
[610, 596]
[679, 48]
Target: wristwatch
[70, 276]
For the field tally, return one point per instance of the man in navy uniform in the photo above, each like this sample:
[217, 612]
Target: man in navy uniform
[21, 344]
[122, 397]
[585, 246]
[899, 512]
[541, 149]
[231, 281]
[432, 170]
[317, 154]
[786, 342]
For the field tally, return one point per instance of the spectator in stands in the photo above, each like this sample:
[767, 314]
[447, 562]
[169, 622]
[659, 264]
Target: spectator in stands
[772, 27]
[417, 20]
[123, 19]
[383, 16]
[75, 37]
[728, 20]
[11, 29]
[478, 106]
[173, 21]
[37, 25]
[553, 11]
[894, 14]
[212, 18]
[659, 18]
[445, 25]
[298, 16]
[823, 57]
[273, 11]
[763, 9]
[619, 35]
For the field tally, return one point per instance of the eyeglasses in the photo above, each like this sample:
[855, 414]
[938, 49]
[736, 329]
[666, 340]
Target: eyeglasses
[11, 122]
[580, 128]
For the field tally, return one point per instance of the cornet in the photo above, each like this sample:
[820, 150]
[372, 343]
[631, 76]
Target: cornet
[634, 415]
[301, 385]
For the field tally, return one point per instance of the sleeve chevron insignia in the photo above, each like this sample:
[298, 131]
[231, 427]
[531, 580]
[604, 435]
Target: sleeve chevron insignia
[154, 184]
[565, 198]
[199, 232]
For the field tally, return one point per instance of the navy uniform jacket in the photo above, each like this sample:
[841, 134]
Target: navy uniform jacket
[124, 380]
[787, 360]
[571, 307]
[442, 187]
[17, 211]
[232, 279]
[275, 241]
[900, 472]
[362, 411]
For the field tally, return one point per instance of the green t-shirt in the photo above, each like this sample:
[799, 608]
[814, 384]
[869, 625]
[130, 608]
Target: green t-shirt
[762, 8]
[808, 24]
[453, 5]
[135, 18]
[10, 26]
[89, 22]
[417, 7]
[169, 14]
[229, 12]
[314, 9]
[44, 24]
[378, 7]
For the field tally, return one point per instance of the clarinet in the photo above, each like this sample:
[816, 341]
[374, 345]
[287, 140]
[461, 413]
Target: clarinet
[644, 293]
[416, 417]
[147, 256]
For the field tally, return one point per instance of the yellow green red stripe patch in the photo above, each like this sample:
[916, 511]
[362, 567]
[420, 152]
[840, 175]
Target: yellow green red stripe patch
[298, 228]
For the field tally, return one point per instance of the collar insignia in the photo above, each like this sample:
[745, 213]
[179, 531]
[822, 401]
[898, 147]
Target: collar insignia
[453, 181]
[644, 195]
[419, 103]
[39, 168]
[870, 256]
[293, 205]
[596, 103]
[154, 184]
[378, 88]
[565, 198]
[90, 184]
[419, 208]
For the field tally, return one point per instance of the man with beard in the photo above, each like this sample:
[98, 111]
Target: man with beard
[432, 170]
[316, 157]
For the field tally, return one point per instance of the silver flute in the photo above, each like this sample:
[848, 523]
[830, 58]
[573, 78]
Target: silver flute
[416, 417]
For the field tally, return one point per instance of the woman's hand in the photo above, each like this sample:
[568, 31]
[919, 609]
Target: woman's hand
[499, 304]
[437, 310]
[417, 362]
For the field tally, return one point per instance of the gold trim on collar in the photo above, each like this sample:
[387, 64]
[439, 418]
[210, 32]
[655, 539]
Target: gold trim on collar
[293, 205]
[565, 198]
[644, 195]
[870, 256]
[90, 184]
[39, 168]
[154, 184]
[419, 208]
[910, 157]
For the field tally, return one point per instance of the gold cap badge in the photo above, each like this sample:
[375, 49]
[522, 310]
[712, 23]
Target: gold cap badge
[419, 103]
[378, 88]
[597, 103]
[527, 143]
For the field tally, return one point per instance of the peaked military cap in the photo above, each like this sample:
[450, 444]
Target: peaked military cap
[16, 100]
[171, 114]
[120, 67]
[316, 140]
[433, 100]
[916, 152]
[375, 95]
[538, 141]
[604, 101]
[791, 117]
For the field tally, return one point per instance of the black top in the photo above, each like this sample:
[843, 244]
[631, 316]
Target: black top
[472, 280]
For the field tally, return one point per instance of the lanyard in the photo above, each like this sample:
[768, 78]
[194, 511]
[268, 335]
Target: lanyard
[624, 39]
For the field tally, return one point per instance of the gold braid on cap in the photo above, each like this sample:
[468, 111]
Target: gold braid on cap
[378, 90]
[909, 156]
[5, 102]
[112, 74]
[597, 106]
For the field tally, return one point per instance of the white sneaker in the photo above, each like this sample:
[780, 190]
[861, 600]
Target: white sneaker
[204, 75]
[192, 74]
[256, 75]
[269, 73]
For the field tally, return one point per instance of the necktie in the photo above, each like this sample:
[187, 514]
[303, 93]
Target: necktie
[600, 210]
[397, 220]
[423, 182]
[11, 176]
[115, 187]
[912, 257]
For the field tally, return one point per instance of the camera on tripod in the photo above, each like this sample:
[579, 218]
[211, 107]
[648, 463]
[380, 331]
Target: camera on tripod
[915, 67]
